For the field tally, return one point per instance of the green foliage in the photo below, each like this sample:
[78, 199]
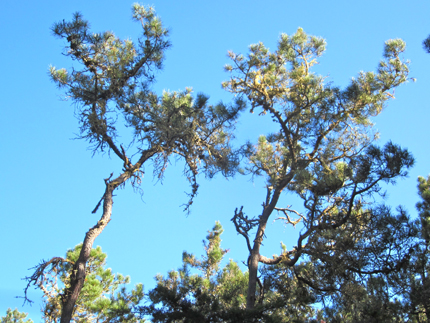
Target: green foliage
[209, 264]
[415, 284]
[217, 295]
[424, 206]
[322, 150]
[104, 296]
[310, 114]
[376, 269]
[352, 272]
[354, 268]
[14, 316]
[369, 303]
[352, 254]
[111, 89]
[285, 298]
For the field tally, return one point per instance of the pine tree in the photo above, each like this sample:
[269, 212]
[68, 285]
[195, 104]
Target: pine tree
[103, 298]
[110, 87]
[211, 294]
[321, 148]
[14, 316]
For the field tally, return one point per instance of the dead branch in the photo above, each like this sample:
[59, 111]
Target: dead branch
[287, 217]
[243, 225]
[39, 275]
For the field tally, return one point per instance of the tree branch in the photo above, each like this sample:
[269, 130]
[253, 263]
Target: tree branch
[40, 273]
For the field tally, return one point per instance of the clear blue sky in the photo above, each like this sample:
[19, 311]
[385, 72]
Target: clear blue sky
[49, 183]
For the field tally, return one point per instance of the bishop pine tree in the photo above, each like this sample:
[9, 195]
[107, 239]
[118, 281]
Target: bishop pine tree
[110, 86]
[322, 150]
[200, 290]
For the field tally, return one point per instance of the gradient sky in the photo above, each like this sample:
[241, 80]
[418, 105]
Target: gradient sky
[49, 183]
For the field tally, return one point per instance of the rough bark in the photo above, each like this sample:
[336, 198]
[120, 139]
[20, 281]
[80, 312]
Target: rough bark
[77, 277]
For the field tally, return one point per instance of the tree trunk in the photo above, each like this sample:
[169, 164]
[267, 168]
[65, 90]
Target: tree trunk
[78, 274]
[254, 258]
[77, 277]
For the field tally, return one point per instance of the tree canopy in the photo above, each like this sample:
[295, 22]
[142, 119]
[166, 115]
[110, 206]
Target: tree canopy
[14, 316]
[111, 91]
[321, 148]
[354, 257]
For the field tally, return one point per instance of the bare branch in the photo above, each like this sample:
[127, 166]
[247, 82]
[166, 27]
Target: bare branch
[243, 225]
[287, 217]
[39, 275]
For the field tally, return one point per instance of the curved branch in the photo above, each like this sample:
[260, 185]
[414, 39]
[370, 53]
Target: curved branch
[40, 272]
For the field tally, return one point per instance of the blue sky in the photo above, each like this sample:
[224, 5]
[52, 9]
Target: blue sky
[49, 183]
